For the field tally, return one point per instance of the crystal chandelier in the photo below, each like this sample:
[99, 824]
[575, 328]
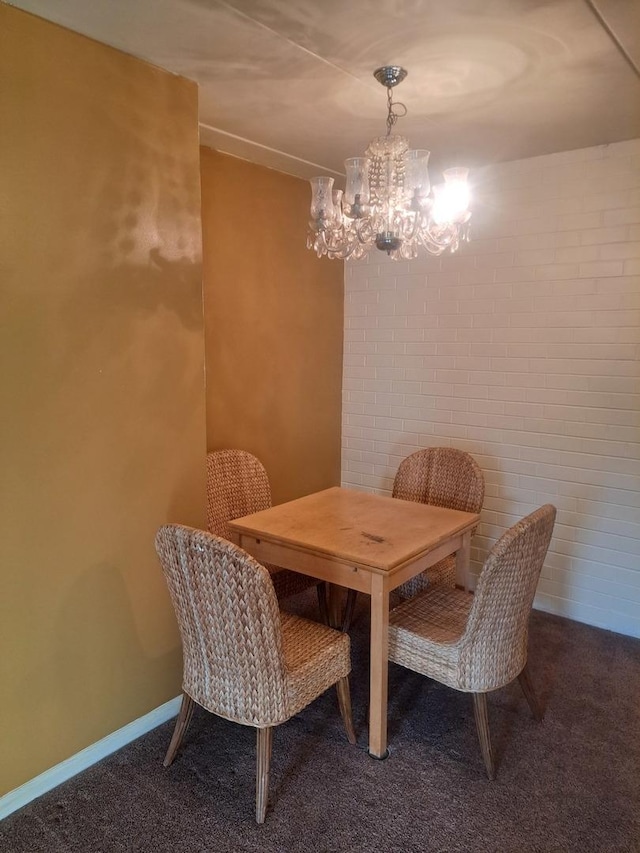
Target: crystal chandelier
[388, 201]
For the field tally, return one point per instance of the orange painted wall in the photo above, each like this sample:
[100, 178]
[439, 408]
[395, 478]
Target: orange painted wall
[102, 434]
[273, 326]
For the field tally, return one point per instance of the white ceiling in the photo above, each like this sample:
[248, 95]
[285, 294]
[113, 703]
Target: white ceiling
[288, 83]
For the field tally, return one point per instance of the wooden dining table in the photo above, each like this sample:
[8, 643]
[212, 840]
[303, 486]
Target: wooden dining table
[361, 541]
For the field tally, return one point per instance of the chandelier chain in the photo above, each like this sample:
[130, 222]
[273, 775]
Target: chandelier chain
[393, 114]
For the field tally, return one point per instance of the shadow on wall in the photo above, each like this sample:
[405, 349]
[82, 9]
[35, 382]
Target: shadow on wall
[106, 667]
[96, 631]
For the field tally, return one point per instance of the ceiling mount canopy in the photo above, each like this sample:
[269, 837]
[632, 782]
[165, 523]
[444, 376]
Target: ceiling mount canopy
[388, 201]
[390, 75]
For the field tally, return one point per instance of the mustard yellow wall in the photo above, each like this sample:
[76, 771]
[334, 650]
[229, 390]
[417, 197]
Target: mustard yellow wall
[102, 429]
[273, 326]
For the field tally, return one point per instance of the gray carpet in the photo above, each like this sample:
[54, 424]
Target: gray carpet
[569, 784]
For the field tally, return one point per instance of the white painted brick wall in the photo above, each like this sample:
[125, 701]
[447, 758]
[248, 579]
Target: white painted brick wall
[524, 349]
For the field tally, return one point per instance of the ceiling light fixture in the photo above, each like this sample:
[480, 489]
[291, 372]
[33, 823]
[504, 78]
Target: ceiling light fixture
[388, 201]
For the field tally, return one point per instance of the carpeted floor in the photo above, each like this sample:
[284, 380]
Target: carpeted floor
[569, 784]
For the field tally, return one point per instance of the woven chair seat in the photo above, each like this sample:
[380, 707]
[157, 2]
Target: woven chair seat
[315, 656]
[424, 633]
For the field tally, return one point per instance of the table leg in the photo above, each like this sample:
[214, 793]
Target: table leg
[463, 558]
[334, 593]
[379, 666]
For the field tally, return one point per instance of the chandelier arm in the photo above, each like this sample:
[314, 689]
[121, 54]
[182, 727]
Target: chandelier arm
[339, 242]
[363, 225]
[438, 243]
[414, 223]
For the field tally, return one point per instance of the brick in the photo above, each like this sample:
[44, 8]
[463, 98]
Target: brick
[577, 254]
[607, 201]
[556, 271]
[620, 250]
[450, 350]
[582, 221]
[477, 276]
[604, 236]
[599, 269]
[624, 216]
[534, 257]
[490, 291]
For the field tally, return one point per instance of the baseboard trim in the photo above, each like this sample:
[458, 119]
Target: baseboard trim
[55, 776]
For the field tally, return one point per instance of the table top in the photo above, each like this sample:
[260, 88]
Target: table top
[359, 527]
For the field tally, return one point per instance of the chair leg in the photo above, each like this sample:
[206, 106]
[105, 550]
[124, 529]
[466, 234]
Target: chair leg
[482, 724]
[529, 694]
[348, 609]
[264, 741]
[321, 589]
[344, 703]
[182, 724]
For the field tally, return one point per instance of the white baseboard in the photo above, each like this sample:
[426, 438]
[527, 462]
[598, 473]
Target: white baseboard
[34, 788]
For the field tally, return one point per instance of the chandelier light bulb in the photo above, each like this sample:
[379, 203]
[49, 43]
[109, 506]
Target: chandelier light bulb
[451, 199]
[388, 201]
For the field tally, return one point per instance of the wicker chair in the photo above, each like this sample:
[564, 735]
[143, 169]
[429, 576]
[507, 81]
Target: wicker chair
[441, 476]
[237, 485]
[244, 659]
[478, 643]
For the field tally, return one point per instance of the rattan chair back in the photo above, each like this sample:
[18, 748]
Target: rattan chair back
[229, 622]
[237, 485]
[493, 648]
[441, 476]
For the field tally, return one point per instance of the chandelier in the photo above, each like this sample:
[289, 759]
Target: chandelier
[388, 201]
